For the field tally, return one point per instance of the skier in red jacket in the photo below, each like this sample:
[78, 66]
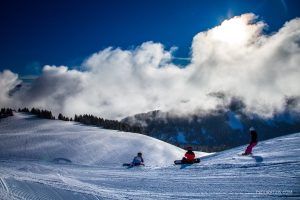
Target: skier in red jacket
[189, 156]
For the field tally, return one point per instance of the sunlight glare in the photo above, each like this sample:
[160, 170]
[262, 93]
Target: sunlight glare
[233, 31]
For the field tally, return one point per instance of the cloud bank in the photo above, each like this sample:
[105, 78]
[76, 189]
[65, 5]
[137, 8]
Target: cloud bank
[8, 81]
[235, 58]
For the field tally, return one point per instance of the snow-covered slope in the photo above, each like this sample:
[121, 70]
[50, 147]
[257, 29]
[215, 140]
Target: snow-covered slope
[273, 172]
[24, 136]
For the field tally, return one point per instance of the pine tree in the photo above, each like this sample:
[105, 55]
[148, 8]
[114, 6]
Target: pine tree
[60, 117]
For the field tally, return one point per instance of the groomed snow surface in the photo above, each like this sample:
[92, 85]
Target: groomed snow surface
[35, 157]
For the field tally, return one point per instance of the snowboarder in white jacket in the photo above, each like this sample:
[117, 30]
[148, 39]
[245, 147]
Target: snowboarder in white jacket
[138, 160]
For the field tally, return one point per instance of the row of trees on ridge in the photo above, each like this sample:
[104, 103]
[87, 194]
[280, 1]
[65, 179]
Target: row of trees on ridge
[87, 120]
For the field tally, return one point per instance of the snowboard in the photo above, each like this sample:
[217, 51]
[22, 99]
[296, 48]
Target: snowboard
[180, 162]
[130, 165]
[241, 154]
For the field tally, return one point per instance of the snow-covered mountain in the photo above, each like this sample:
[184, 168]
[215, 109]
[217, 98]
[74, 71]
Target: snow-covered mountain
[218, 129]
[29, 145]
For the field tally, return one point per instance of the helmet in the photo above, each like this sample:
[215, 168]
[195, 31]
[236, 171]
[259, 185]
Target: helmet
[252, 129]
[139, 154]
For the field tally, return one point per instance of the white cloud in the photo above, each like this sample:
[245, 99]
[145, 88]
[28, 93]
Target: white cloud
[235, 58]
[8, 81]
[261, 69]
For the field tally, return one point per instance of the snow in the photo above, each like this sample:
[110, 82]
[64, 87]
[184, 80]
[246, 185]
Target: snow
[24, 136]
[273, 172]
[234, 121]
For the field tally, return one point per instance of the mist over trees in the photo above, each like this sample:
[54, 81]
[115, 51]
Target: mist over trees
[219, 129]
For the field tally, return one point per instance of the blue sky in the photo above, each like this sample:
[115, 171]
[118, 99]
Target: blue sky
[34, 33]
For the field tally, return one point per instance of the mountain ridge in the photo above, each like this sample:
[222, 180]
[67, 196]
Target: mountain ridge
[215, 130]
